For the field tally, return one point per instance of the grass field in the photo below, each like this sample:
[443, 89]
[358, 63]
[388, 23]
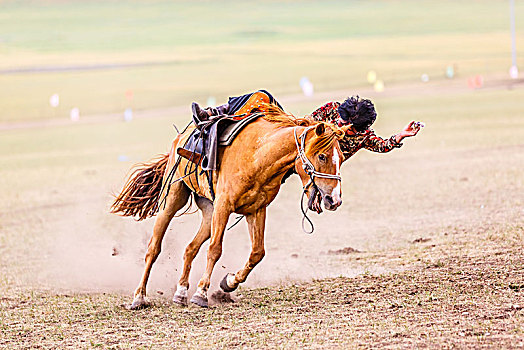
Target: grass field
[438, 224]
[189, 51]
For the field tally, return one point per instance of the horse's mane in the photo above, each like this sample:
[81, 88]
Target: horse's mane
[274, 114]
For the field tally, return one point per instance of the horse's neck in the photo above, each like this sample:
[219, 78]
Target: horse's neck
[283, 150]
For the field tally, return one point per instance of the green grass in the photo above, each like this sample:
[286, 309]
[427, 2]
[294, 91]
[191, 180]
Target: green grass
[126, 26]
[207, 49]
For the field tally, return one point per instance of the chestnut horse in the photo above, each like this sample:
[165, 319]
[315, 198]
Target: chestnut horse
[247, 180]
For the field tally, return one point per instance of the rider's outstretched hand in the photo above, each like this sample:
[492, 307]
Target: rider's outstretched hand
[410, 130]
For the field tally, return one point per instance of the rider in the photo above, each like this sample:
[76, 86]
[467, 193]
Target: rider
[361, 114]
[358, 112]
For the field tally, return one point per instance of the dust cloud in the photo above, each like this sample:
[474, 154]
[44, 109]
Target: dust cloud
[90, 250]
[81, 239]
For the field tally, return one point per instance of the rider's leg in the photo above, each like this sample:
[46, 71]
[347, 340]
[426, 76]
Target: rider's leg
[203, 114]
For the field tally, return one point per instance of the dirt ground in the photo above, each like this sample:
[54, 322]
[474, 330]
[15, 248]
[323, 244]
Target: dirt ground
[449, 294]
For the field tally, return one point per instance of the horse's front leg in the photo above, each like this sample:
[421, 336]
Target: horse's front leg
[203, 234]
[221, 214]
[177, 198]
[256, 223]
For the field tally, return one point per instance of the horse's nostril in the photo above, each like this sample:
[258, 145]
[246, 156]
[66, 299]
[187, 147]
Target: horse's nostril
[329, 200]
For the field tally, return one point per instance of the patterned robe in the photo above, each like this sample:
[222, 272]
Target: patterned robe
[354, 140]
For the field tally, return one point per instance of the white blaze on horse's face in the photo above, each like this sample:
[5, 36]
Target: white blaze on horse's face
[330, 189]
[337, 191]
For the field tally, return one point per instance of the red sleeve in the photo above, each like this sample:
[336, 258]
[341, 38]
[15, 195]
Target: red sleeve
[378, 144]
[327, 113]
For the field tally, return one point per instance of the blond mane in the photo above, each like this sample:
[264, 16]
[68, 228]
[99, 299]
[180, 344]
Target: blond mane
[323, 143]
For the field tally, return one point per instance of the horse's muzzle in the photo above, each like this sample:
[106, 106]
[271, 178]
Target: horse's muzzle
[331, 203]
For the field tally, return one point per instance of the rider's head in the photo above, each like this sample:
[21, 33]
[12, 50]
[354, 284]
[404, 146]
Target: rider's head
[358, 111]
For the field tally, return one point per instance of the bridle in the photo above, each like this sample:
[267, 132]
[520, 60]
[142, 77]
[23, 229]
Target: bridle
[308, 167]
[310, 170]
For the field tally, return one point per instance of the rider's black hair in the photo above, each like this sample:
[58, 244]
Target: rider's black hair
[359, 112]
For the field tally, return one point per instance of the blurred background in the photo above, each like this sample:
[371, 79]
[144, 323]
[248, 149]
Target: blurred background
[104, 57]
[88, 88]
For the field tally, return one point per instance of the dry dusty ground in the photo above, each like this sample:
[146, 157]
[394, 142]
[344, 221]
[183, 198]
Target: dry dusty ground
[472, 296]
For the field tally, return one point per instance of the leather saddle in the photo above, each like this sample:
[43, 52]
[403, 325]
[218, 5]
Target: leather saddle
[202, 145]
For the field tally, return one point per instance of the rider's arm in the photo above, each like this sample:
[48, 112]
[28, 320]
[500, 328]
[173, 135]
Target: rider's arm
[378, 144]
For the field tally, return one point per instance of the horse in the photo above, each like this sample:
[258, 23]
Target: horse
[247, 180]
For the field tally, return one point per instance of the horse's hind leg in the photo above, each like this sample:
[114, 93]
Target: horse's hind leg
[256, 223]
[203, 234]
[176, 199]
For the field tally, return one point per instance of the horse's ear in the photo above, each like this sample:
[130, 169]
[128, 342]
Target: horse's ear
[319, 130]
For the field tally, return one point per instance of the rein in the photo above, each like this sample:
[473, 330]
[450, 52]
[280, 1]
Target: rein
[310, 170]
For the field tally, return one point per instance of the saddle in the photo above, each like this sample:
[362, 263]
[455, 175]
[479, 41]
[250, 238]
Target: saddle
[202, 145]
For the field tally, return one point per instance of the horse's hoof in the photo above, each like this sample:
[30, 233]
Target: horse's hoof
[180, 300]
[224, 286]
[180, 296]
[199, 300]
[138, 303]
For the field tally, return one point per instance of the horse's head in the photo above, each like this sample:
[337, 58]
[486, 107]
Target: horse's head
[318, 165]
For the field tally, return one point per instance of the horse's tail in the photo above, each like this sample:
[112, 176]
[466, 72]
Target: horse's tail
[141, 193]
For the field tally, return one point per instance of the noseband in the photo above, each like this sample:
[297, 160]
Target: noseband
[310, 170]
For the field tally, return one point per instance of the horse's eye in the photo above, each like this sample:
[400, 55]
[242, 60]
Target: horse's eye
[322, 157]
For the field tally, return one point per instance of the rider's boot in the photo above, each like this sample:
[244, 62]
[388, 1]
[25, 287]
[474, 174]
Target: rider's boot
[203, 114]
[199, 113]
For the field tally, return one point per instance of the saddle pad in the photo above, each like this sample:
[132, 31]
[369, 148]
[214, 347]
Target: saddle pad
[202, 145]
[232, 129]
